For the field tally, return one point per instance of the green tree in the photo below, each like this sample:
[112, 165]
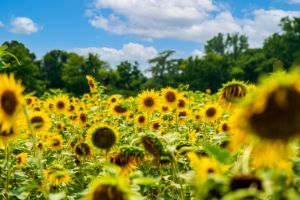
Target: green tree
[27, 70]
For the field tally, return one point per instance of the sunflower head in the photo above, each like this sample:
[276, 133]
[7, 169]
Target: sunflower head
[108, 188]
[169, 96]
[56, 142]
[82, 150]
[273, 110]
[61, 104]
[211, 112]
[21, 159]
[153, 145]
[148, 101]
[233, 91]
[92, 83]
[118, 109]
[141, 120]
[11, 100]
[40, 121]
[57, 175]
[102, 136]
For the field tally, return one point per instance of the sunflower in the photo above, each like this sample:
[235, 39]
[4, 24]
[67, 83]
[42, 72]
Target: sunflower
[205, 167]
[224, 127]
[21, 159]
[56, 142]
[92, 83]
[57, 175]
[141, 120]
[10, 135]
[117, 109]
[211, 112]
[40, 122]
[153, 145]
[102, 136]
[82, 150]
[181, 104]
[169, 96]
[233, 91]
[61, 104]
[155, 125]
[11, 100]
[82, 118]
[244, 181]
[148, 101]
[108, 188]
[113, 99]
[272, 111]
[165, 109]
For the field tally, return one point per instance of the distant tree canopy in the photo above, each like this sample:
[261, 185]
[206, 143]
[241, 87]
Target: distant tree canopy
[227, 56]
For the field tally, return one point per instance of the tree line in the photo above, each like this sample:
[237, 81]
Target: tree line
[227, 57]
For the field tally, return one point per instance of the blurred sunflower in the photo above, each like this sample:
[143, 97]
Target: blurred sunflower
[40, 122]
[82, 150]
[102, 136]
[21, 159]
[92, 83]
[10, 135]
[148, 101]
[169, 96]
[57, 175]
[82, 118]
[224, 126]
[56, 142]
[108, 188]
[11, 100]
[155, 125]
[118, 109]
[141, 120]
[211, 112]
[233, 91]
[181, 104]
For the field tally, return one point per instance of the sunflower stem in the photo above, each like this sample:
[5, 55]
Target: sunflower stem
[7, 171]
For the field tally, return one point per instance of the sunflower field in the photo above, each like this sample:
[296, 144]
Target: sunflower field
[240, 143]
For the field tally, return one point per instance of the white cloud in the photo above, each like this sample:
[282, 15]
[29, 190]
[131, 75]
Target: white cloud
[294, 1]
[194, 20]
[130, 51]
[198, 53]
[1, 24]
[264, 24]
[23, 25]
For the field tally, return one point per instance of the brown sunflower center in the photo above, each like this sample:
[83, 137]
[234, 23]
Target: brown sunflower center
[141, 119]
[120, 109]
[37, 121]
[60, 105]
[6, 132]
[181, 103]
[182, 114]
[71, 108]
[149, 102]
[104, 138]
[83, 117]
[210, 112]
[156, 125]
[28, 101]
[55, 142]
[113, 100]
[165, 108]
[9, 102]
[170, 96]
[225, 127]
[108, 192]
[82, 149]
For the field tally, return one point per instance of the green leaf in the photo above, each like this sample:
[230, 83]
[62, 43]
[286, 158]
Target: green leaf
[221, 155]
[57, 196]
[146, 181]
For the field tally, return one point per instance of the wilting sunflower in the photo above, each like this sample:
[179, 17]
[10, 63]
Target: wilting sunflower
[169, 96]
[108, 188]
[21, 159]
[61, 104]
[82, 150]
[57, 175]
[92, 83]
[153, 145]
[40, 122]
[233, 91]
[11, 100]
[211, 112]
[56, 142]
[102, 136]
[148, 101]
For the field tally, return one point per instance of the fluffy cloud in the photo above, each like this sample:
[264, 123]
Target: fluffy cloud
[194, 20]
[130, 51]
[23, 25]
[1, 24]
[198, 53]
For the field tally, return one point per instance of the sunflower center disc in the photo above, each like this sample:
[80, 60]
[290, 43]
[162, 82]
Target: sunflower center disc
[9, 102]
[149, 102]
[170, 96]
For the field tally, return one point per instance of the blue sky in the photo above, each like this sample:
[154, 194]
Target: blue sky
[137, 29]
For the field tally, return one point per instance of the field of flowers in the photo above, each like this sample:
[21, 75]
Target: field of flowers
[240, 143]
